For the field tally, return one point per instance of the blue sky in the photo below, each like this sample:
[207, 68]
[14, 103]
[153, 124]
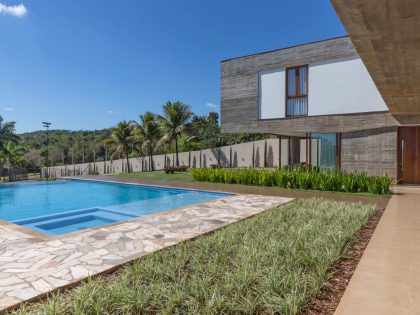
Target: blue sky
[86, 64]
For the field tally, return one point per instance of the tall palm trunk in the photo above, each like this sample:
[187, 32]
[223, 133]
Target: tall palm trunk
[128, 163]
[176, 150]
[151, 166]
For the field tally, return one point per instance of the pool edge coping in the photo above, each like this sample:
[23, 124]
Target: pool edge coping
[153, 185]
[38, 235]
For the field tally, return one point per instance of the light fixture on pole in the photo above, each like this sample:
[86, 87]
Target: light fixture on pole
[47, 125]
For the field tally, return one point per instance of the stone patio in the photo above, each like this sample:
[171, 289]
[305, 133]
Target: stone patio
[32, 264]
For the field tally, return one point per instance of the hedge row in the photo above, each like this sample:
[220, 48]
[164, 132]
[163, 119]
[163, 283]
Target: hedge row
[297, 178]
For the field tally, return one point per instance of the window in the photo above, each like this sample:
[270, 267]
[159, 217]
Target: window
[297, 91]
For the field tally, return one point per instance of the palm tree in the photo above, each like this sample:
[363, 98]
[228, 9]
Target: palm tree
[147, 132]
[13, 154]
[122, 137]
[175, 119]
[7, 134]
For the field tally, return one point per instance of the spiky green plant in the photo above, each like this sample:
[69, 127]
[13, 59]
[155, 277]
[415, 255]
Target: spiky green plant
[298, 178]
[272, 263]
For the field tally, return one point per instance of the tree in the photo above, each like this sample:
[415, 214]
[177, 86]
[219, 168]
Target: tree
[14, 154]
[147, 133]
[7, 135]
[175, 119]
[55, 156]
[33, 158]
[122, 137]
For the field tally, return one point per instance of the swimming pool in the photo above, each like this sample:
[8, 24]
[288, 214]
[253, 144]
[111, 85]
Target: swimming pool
[60, 207]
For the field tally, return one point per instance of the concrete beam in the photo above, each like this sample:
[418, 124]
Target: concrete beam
[386, 35]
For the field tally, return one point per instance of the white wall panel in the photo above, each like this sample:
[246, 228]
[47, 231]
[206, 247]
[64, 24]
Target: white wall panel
[342, 86]
[272, 94]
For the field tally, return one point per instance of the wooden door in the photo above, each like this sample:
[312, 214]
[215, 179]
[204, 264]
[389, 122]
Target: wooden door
[409, 155]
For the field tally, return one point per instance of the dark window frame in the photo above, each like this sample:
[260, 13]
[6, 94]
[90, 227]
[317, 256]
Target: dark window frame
[297, 88]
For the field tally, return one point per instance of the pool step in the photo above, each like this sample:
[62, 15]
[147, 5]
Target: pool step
[69, 221]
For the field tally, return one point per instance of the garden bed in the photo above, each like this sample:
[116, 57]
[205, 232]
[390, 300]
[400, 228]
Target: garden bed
[340, 274]
[275, 261]
[298, 177]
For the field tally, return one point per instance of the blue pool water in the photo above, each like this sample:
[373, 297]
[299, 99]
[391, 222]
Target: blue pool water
[60, 207]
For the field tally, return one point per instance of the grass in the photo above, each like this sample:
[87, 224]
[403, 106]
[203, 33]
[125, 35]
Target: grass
[272, 262]
[160, 175]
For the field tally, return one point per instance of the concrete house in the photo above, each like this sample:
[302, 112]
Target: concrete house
[322, 104]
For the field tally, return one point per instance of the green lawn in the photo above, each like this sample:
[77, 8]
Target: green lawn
[272, 262]
[160, 175]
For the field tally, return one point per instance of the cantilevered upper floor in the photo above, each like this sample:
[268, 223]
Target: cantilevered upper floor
[386, 35]
[317, 87]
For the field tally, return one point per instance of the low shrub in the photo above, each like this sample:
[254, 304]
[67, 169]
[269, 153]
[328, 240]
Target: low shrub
[181, 168]
[298, 177]
[173, 169]
[169, 170]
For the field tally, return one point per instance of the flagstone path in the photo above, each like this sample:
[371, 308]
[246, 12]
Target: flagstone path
[31, 264]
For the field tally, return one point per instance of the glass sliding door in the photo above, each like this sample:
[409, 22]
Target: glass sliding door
[323, 150]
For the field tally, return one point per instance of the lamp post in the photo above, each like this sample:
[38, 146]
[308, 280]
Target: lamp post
[47, 125]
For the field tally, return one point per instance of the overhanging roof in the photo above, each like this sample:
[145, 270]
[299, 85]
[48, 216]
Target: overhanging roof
[386, 34]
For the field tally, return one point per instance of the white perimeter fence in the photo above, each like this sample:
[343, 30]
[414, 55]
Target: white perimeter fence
[262, 153]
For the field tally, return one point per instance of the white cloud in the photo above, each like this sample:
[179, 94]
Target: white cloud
[212, 105]
[111, 112]
[8, 109]
[15, 10]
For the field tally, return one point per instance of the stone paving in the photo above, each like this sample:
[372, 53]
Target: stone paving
[31, 264]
